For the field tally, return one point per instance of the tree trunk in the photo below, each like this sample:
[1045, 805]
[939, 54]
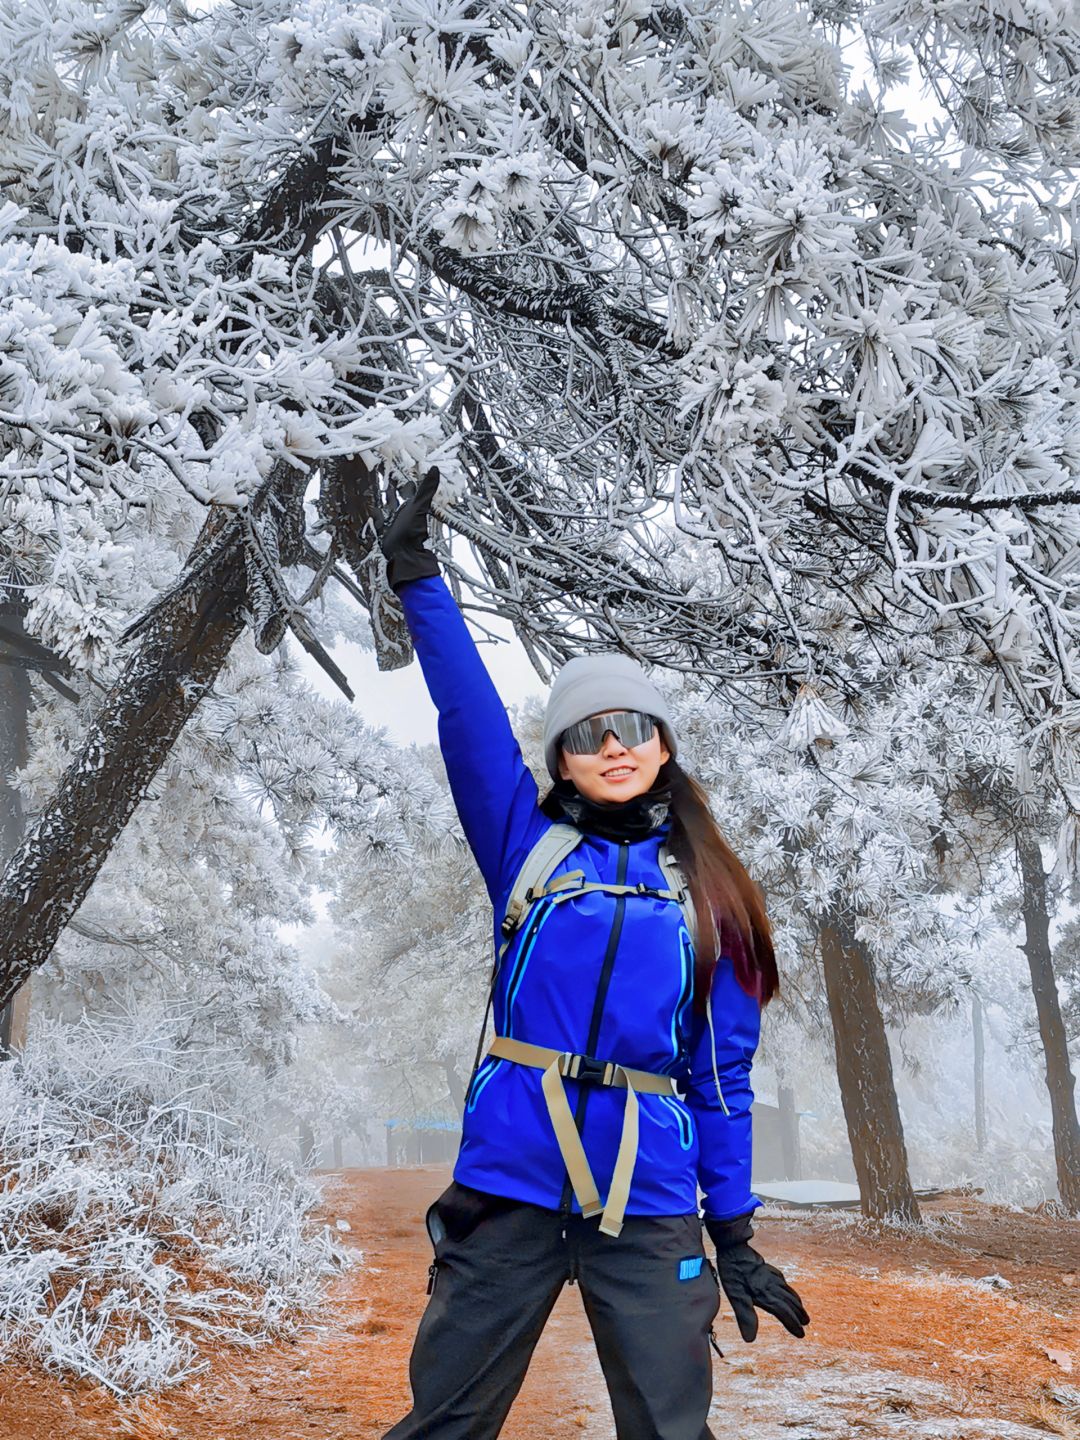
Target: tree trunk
[1060, 1080]
[14, 745]
[455, 1086]
[980, 1072]
[181, 652]
[864, 1069]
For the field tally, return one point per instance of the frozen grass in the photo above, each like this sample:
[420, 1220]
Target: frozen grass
[1058, 1408]
[941, 1225]
[993, 1286]
[137, 1223]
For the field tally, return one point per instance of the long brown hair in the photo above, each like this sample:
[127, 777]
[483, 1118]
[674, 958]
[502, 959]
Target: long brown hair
[720, 887]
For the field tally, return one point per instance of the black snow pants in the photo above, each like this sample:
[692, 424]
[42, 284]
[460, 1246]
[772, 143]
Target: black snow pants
[650, 1295]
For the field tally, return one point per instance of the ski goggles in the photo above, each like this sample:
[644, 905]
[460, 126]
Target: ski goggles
[586, 737]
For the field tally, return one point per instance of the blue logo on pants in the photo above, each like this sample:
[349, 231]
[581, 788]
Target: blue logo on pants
[690, 1268]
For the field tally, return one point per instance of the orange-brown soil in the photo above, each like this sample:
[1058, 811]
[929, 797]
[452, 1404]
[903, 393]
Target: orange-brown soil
[901, 1342]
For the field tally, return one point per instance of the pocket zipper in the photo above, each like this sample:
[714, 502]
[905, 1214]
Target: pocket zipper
[712, 1327]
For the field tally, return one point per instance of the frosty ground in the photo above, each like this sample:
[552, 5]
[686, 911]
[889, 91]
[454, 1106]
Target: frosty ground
[907, 1339]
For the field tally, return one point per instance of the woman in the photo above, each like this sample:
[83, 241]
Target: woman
[607, 972]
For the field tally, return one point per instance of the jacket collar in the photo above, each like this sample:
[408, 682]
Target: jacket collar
[631, 819]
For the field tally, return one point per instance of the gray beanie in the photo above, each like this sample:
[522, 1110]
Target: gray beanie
[588, 684]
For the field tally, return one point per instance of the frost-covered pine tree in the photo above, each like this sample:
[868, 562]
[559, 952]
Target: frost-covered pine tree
[629, 274]
[412, 967]
[839, 832]
[1006, 810]
[857, 834]
[164, 1019]
[412, 957]
[221, 851]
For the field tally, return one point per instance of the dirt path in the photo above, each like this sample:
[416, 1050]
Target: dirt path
[903, 1341]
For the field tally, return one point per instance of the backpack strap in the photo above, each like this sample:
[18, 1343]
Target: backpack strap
[677, 880]
[555, 1065]
[533, 884]
[553, 846]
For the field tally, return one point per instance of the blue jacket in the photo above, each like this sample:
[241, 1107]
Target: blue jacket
[618, 967]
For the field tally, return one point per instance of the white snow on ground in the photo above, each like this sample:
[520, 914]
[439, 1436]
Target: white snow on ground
[830, 1402]
[835, 1403]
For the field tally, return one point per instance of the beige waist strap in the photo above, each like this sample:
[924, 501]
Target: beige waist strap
[557, 1063]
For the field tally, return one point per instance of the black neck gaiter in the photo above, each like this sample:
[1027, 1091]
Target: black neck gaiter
[631, 819]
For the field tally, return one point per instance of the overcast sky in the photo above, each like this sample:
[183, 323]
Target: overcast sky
[398, 699]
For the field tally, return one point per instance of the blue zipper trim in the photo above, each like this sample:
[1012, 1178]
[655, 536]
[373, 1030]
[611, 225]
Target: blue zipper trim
[521, 961]
[523, 940]
[686, 1134]
[686, 994]
[479, 1084]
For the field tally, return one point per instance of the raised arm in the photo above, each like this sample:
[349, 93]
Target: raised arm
[493, 789]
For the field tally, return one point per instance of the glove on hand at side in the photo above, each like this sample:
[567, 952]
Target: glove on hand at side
[403, 539]
[749, 1280]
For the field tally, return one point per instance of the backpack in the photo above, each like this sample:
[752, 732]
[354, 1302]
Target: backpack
[532, 885]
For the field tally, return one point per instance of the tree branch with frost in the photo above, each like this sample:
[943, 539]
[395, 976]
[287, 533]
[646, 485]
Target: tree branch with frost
[664, 259]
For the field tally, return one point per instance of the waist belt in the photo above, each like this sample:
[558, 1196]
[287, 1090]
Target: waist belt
[557, 1063]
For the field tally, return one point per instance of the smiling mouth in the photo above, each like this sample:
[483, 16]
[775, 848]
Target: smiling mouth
[620, 772]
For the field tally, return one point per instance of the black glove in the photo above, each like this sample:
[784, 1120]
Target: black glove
[404, 537]
[748, 1280]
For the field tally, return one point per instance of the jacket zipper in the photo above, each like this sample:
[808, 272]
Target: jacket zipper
[602, 987]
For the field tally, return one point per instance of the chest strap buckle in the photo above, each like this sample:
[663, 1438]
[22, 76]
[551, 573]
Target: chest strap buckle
[557, 1063]
[587, 1067]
